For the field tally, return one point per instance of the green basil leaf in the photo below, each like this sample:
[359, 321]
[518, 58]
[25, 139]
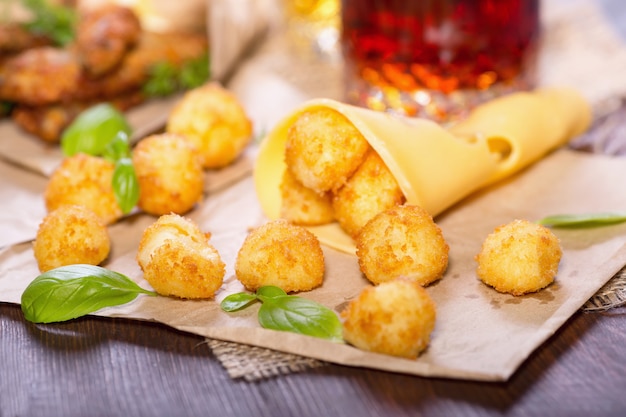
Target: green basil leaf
[93, 129]
[269, 291]
[162, 80]
[117, 148]
[300, 315]
[73, 291]
[234, 302]
[583, 220]
[125, 184]
[54, 21]
[194, 73]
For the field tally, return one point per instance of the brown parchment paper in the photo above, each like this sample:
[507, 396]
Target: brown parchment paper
[480, 334]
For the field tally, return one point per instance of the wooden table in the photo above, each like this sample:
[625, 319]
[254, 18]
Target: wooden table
[110, 367]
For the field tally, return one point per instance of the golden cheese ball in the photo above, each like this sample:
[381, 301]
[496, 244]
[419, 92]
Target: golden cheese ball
[519, 257]
[170, 176]
[212, 118]
[394, 318]
[369, 191]
[281, 254]
[70, 235]
[403, 241]
[177, 259]
[303, 206]
[323, 149]
[87, 181]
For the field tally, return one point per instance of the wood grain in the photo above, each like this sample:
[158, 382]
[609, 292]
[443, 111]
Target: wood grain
[110, 367]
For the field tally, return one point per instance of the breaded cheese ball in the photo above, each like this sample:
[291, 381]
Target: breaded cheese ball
[281, 254]
[303, 206]
[177, 259]
[323, 149]
[394, 318]
[70, 235]
[87, 181]
[170, 176]
[403, 241]
[212, 118]
[519, 257]
[369, 191]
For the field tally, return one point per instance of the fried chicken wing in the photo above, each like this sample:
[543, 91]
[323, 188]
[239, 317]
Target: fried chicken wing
[16, 38]
[103, 37]
[48, 122]
[40, 76]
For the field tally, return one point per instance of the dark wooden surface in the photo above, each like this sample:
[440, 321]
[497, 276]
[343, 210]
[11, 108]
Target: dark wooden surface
[110, 367]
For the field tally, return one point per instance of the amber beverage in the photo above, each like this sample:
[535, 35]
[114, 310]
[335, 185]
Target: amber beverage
[437, 58]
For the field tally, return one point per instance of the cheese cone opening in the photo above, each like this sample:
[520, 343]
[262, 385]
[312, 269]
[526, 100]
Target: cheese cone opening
[436, 167]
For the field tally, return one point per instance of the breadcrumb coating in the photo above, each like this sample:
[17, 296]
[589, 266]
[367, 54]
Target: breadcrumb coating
[177, 259]
[170, 176]
[213, 119]
[394, 318]
[303, 206]
[281, 254]
[403, 241]
[370, 190]
[84, 180]
[70, 235]
[323, 149]
[519, 257]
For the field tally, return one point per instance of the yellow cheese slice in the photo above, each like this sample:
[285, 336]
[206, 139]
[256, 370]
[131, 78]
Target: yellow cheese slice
[437, 167]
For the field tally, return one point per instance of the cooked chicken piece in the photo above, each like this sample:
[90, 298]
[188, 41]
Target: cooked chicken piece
[40, 76]
[15, 38]
[104, 36]
[48, 122]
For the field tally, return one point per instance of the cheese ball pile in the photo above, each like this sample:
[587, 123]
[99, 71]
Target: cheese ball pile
[214, 121]
[170, 175]
[71, 234]
[395, 318]
[402, 241]
[519, 257]
[84, 180]
[282, 254]
[177, 259]
[333, 174]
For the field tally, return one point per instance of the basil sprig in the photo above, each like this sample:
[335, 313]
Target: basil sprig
[73, 291]
[102, 130]
[93, 129]
[54, 21]
[290, 313]
[165, 78]
[583, 220]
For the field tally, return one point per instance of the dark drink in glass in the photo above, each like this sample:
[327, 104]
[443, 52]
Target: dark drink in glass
[437, 58]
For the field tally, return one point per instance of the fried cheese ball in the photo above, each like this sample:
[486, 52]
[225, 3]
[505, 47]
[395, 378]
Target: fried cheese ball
[70, 235]
[212, 118]
[303, 206]
[519, 257]
[170, 176]
[177, 259]
[394, 318]
[87, 181]
[403, 241]
[369, 191]
[281, 254]
[323, 149]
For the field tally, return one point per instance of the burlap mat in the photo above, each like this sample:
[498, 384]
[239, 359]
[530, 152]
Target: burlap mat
[607, 135]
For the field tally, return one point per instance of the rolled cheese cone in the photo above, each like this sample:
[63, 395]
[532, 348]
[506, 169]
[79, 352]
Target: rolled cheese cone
[437, 167]
[521, 128]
